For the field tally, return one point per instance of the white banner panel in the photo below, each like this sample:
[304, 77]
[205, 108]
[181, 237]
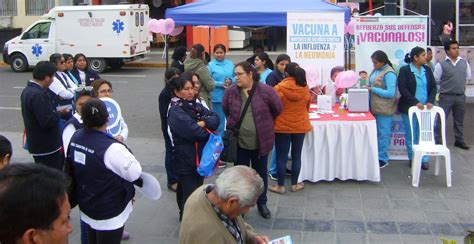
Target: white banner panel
[395, 35]
[316, 41]
[397, 150]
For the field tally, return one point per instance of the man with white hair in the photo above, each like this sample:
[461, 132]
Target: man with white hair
[213, 213]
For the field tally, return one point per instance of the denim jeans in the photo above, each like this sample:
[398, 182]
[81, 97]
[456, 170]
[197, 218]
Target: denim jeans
[282, 145]
[217, 108]
[273, 163]
[259, 164]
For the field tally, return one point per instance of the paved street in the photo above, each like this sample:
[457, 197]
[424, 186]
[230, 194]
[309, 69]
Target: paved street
[391, 211]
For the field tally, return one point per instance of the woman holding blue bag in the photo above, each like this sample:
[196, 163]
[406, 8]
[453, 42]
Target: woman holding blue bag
[188, 121]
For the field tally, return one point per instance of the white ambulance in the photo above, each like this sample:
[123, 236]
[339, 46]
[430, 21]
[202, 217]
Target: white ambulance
[108, 35]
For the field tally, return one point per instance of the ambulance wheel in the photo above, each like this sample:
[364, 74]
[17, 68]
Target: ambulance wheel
[97, 64]
[18, 62]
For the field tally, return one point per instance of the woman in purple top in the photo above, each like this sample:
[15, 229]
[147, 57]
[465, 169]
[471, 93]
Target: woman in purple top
[256, 133]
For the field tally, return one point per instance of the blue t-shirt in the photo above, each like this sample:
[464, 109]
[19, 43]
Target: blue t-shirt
[263, 76]
[390, 81]
[220, 71]
[421, 93]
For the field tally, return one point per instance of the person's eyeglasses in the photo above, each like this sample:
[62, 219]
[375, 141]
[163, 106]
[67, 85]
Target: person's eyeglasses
[62, 62]
[236, 74]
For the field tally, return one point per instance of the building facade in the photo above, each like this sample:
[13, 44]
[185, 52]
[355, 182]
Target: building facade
[22, 13]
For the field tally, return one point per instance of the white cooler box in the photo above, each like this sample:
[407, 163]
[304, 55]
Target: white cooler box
[358, 100]
[239, 38]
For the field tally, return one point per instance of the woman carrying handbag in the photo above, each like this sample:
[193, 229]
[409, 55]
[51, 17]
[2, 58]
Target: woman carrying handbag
[255, 135]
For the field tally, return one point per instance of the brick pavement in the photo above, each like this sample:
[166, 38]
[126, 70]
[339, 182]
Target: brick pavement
[391, 211]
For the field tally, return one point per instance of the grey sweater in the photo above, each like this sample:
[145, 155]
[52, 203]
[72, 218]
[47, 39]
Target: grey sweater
[453, 78]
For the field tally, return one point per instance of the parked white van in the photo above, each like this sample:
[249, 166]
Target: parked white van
[108, 35]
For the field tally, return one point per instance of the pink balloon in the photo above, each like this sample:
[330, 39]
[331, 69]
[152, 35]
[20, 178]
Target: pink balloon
[152, 24]
[312, 76]
[338, 78]
[346, 79]
[177, 30]
[168, 26]
[160, 26]
[351, 27]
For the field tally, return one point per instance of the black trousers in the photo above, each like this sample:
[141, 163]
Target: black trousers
[187, 184]
[259, 164]
[104, 236]
[457, 104]
[53, 160]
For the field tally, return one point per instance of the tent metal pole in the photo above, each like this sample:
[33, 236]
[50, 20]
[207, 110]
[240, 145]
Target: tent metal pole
[346, 44]
[209, 40]
[349, 54]
[166, 51]
[370, 7]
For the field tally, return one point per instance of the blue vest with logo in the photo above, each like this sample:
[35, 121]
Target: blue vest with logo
[57, 101]
[101, 194]
[77, 125]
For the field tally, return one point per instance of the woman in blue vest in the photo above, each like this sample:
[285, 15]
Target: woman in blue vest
[188, 121]
[62, 88]
[383, 104]
[104, 170]
[417, 87]
[264, 66]
[69, 67]
[83, 94]
[221, 70]
[81, 71]
[75, 122]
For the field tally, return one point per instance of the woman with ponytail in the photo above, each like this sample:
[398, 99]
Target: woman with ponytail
[104, 171]
[292, 125]
[196, 63]
[417, 87]
[383, 101]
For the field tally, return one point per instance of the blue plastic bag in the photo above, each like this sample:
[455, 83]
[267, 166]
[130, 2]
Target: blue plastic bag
[211, 153]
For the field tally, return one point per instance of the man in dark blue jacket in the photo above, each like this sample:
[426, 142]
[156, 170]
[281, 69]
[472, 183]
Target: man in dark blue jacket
[41, 119]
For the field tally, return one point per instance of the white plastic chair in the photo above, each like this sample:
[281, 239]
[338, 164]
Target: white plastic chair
[426, 143]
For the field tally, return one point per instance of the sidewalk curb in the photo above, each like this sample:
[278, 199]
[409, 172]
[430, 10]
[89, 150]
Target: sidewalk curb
[145, 65]
[140, 65]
